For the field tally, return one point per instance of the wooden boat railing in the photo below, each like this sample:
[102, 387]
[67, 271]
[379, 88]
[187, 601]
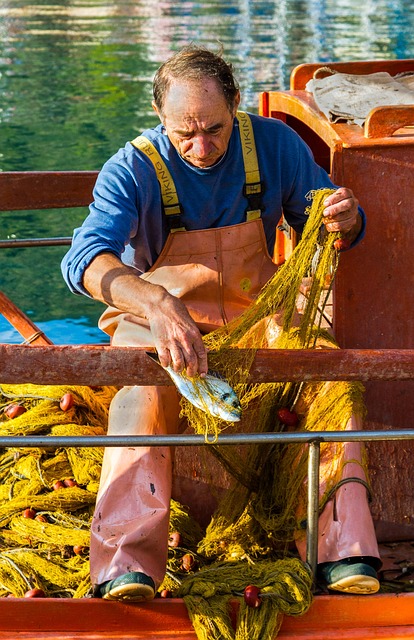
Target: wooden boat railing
[31, 190]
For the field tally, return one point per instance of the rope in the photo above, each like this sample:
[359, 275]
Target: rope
[33, 337]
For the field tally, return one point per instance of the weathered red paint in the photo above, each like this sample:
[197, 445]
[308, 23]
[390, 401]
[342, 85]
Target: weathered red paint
[105, 365]
[330, 617]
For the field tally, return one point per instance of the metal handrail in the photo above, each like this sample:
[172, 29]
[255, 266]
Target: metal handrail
[314, 439]
[191, 440]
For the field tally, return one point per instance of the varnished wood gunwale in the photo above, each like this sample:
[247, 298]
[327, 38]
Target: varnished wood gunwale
[329, 617]
[301, 74]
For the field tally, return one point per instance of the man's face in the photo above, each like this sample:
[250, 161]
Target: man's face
[197, 120]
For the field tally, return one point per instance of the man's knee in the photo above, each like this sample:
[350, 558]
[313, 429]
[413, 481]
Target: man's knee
[143, 410]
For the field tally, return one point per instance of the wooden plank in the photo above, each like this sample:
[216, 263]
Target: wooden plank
[384, 121]
[299, 108]
[330, 617]
[161, 618]
[21, 322]
[22, 190]
[105, 365]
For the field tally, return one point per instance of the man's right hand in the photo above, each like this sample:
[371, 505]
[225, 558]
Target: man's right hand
[177, 337]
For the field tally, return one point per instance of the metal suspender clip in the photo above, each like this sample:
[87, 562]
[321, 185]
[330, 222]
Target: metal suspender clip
[173, 213]
[253, 191]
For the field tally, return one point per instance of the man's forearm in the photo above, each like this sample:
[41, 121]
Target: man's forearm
[108, 280]
[176, 336]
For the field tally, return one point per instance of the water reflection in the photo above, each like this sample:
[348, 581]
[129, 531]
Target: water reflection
[76, 77]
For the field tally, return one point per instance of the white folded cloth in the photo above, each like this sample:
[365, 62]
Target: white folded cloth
[350, 97]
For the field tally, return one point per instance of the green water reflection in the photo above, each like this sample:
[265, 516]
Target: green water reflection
[75, 84]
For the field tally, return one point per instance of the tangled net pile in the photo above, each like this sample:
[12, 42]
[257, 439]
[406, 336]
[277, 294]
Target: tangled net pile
[47, 497]
[44, 524]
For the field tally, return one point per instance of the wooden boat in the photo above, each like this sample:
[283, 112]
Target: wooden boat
[376, 162]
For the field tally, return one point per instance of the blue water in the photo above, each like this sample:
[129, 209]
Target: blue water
[75, 84]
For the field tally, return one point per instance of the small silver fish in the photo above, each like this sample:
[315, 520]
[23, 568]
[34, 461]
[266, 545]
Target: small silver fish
[211, 394]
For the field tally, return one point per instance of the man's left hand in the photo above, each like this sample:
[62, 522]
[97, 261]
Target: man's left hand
[341, 213]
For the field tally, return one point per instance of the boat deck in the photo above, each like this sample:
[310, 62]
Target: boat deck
[330, 617]
[381, 616]
[397, 571]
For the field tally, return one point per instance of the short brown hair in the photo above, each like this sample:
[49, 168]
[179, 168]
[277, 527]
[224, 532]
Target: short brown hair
[194, 62]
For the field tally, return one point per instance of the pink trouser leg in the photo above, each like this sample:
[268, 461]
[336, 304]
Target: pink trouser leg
[346, 528]
[130, 527]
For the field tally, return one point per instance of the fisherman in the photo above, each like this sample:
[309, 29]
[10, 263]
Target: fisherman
[179, 219]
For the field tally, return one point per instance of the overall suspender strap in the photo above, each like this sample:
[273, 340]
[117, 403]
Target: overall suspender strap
[172, 207]
[253, 188]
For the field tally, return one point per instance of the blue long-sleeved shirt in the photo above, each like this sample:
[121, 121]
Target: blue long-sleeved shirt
[126, 216]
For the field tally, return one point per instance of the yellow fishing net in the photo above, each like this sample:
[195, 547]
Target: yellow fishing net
[44, 524]
[249, 537]
[47, 497]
